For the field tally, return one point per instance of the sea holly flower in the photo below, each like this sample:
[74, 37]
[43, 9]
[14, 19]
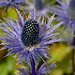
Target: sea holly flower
[15, 3]
[65, 12]
[43, 69]
[28, 39]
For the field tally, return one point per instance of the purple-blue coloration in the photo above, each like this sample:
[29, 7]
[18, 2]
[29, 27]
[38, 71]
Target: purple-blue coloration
[44, 69]
[15, 3]
[65, 12]
[13, 38]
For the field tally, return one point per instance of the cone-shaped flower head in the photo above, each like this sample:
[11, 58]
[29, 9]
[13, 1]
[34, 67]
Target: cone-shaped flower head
[66, 12]
[28, 38]
[15, 3]
[30, 33]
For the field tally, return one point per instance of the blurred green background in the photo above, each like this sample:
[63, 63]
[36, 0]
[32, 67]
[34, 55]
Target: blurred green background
[61, 52]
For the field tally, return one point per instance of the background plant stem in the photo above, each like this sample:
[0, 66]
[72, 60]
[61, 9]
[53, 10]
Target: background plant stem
[73, 54]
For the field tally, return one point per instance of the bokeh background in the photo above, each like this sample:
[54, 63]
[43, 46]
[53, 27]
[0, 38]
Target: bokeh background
[61, 52]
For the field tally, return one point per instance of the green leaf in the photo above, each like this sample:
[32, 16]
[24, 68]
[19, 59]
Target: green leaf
[7, 66]
[59, 51]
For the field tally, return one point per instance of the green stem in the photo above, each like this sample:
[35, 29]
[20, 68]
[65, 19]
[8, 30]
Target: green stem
[73, 61]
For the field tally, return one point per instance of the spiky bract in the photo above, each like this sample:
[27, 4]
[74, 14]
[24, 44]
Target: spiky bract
[15, 3]
[43, 69]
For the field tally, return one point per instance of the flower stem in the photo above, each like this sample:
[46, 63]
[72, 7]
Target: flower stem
[73, 53]
[33, 66]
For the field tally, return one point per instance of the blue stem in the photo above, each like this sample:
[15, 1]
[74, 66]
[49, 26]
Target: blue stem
[33, 66]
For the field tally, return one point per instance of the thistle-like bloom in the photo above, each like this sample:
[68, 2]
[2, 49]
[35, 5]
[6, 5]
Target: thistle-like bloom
[66, 12]
[43, 69]
[28, 39]
[15, 3]
[40, 7]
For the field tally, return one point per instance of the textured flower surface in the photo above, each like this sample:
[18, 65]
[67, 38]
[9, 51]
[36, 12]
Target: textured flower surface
[44, 69]
[65, 12]
[29, 38]
[16, 3]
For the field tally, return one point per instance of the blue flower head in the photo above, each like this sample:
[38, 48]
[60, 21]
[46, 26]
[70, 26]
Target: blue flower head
[71, 9]
[43, 69]
[65, 12]
[15, 3]
[40, 7]
[29, 38]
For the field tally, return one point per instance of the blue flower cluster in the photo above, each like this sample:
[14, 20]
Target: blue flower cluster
[29, 36]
